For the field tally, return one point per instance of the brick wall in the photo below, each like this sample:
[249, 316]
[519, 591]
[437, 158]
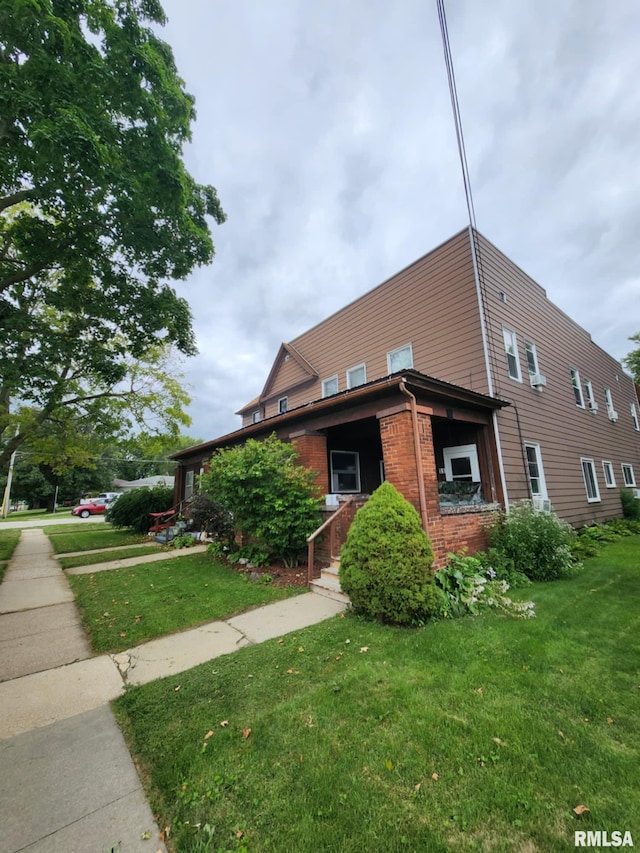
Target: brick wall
[312, 453]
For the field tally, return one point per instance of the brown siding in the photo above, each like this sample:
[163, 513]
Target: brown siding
[430, 304]
[551, 418]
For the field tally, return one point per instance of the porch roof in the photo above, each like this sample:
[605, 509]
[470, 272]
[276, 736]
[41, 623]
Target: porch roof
[423, 386]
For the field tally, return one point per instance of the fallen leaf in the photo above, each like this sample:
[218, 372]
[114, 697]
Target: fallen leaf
[560, 734]
[165, 833]
[498, 741]
[280, 641]
[239, 834]
[290, 671]
[208, 735]
[435, 777]
[417, 787]
[137, 618]
[177, 688]
[364, 648]
[339, 656]
[525, 667]
[146, 835]
[480, 691]
[581, 810]
[246, 732]
[561, 670]
[389, 765]
[346, 642]
[123, 634]
[224, 723]
[300, 649]
[609, 720]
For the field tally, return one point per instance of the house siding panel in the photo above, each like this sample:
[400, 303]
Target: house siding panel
[551, 418]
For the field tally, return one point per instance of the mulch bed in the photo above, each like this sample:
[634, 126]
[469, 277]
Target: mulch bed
[281, 574]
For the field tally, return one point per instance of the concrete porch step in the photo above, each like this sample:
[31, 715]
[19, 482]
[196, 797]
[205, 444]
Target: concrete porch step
[328, 584]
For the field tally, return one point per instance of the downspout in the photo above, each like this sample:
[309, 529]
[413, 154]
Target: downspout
[416, 444]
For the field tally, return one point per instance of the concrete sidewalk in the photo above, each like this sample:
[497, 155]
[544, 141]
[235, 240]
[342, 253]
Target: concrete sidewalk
[67, 781]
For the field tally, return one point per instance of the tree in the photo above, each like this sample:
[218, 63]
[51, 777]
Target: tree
[632, 361]
[270, 497]
[97, 210]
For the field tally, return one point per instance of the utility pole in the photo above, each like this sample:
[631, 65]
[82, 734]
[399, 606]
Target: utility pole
[7, 490]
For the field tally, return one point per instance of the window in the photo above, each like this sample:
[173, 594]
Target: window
[188, 484]
[627, 475]
[611, 412]
[283, 405]
[634, 417]
[357, 376]
[255, 417]
[534, 469]
[590, 481]
[511, 349]
[330, 386]
[609, 478]
[400, 359]
[588, 393]
[532, 358]
[577, 390]
[345, 471]
[461, 463]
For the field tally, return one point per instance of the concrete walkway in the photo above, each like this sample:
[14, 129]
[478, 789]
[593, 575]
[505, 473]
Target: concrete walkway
[67, 781]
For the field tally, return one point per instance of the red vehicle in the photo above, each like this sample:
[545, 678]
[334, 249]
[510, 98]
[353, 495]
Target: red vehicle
[92, 508]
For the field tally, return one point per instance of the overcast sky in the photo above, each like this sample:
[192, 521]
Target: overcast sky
[327, 130]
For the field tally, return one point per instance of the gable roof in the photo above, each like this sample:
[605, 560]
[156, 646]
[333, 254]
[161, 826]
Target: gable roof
[304, 373]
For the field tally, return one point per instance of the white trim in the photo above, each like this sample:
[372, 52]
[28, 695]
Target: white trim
[530, 347]
[393, 352]
[469, 451]
[281, 410]
[574, 373]
[609, 474]
[330, 379]
[634, 417]
[333, 471]
[362, 366]
[256, 417]
[538, 462]
[510, 341]
[590, 463]
[624, 465]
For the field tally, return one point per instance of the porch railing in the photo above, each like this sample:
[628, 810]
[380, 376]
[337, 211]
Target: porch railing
[329, 523]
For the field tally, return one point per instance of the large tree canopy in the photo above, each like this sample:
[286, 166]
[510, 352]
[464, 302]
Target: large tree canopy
[632, 361]
[97, 210]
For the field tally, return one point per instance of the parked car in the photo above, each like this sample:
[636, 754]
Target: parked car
[92, 508]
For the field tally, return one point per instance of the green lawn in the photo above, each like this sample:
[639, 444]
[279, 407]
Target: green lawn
[472, 734]
[66, 539]
[124, 607]
[8, 541]
[107, 556]
[25, 515]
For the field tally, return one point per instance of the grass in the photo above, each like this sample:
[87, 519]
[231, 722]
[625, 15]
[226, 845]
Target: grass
[89, 537]
[472, 734]
[8, 542]
[124, 607]
[25, 514]
[107, 556]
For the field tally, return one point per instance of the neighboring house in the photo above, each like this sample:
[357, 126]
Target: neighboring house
[509, 398]
[145, 482]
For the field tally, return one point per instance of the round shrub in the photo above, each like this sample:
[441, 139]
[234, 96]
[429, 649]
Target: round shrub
[132, 509]
[536, 543]
[385, 564]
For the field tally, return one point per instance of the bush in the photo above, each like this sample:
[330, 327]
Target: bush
[270, 497]
[210, 517]
[132, 508]
[385, 564]
[536, 543]
[630, 505]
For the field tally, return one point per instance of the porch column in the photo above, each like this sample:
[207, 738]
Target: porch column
[400, 466]
[311, 448]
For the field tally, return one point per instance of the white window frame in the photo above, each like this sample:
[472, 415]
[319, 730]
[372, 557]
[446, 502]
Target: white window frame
[609, 475]
[395, 353]
[634, 417]
[325, 382]
[628, 475]
[590, 400]
[283, 405]
[468, 450]
[542, 485]
[511, 351]
[256, 417]
[336, 471]
[189, 484]
[530, 350]
[574, 373]
[595, 496]
[351, 370]
[609, 401]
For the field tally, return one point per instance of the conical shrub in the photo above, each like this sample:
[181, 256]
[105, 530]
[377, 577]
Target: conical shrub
[385, 564]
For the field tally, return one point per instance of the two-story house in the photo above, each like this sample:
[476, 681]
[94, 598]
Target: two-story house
[458, 381]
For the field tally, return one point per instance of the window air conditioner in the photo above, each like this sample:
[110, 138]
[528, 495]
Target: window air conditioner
[636, 493]
[538, 381]
[541, 504]
[593, 406]
[613, 416]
